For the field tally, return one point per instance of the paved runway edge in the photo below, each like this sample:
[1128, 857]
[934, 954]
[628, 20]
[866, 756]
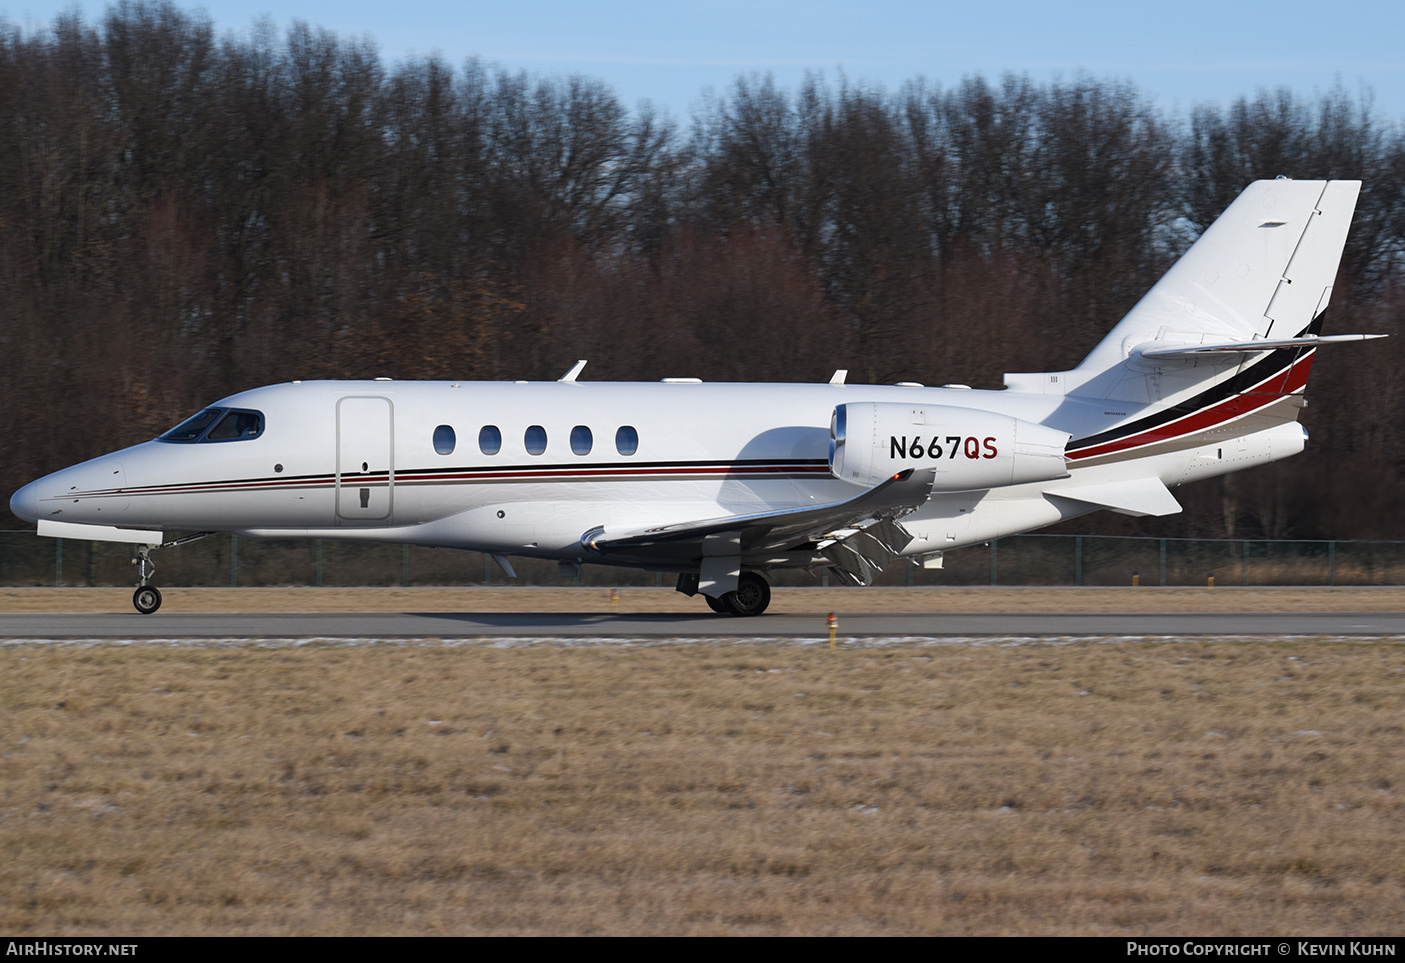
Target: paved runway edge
[916, 626]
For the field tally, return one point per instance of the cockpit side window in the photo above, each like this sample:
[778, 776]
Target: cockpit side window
[194, 426]
[237, 425]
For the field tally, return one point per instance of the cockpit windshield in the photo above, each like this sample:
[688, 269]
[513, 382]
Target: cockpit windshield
[217, 424]
[194, 426]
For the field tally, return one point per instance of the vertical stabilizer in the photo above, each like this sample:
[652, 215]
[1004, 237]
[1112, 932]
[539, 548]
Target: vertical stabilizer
[1263, 270]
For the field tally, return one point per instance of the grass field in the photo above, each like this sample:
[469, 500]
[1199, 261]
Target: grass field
[1178, 788]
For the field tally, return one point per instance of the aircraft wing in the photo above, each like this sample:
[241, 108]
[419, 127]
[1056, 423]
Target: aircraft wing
[869, 518]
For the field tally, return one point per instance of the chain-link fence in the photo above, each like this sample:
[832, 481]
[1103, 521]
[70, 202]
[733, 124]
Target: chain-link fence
[228, 560]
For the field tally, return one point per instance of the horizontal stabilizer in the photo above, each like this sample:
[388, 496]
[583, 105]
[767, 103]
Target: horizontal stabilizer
[1138, 496]
[98, 533]
[1244, 347]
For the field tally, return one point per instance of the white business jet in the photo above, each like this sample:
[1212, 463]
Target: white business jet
[725, 483]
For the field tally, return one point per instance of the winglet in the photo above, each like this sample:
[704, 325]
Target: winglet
[570, 376]
[839, 375]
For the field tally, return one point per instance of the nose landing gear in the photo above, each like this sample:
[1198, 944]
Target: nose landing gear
[147, 597]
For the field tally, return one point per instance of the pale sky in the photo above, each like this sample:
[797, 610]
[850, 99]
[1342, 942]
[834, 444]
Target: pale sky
[1177, 53]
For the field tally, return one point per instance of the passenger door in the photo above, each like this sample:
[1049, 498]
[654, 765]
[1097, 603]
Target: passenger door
[365, 459]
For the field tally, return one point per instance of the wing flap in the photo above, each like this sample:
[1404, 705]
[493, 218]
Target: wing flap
[859, 557]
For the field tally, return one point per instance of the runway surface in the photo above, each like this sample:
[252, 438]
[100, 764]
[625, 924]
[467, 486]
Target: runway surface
[411, 625]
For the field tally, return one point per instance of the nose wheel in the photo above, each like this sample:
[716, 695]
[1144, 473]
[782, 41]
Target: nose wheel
[147, 597]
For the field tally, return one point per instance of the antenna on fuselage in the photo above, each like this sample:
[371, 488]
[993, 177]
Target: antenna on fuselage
[570, 376]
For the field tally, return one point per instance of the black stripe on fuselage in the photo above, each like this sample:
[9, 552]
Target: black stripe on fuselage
[1278, 363]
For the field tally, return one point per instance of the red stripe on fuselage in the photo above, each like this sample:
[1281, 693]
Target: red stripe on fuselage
[583, 473]
[1241, 404]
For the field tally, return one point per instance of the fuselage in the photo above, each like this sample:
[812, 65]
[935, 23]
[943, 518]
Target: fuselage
[527, 468]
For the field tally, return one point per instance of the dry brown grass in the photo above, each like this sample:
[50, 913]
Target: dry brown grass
[651, 600]
[1201, 788]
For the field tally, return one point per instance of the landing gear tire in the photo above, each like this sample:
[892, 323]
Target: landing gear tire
[752, 596]
[147, 599]
[717, 605]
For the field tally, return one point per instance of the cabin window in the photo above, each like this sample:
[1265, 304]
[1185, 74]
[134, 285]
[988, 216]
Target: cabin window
[626, 440]
[194, 426]
[581, 440]
[489, 440]
[535, 439]
[237, 425]
[444, 440]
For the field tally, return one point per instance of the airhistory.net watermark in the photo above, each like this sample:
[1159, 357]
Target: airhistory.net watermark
[51, 948]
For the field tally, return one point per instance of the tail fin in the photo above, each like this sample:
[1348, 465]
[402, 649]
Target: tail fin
[1263, 272]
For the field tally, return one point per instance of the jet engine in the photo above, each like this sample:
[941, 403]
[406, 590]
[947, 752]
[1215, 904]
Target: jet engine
[969, 449]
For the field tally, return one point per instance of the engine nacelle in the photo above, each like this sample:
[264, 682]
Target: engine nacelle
[970, 449]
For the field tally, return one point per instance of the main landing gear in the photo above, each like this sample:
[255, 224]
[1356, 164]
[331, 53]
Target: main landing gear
[147, 597]
[752, 596]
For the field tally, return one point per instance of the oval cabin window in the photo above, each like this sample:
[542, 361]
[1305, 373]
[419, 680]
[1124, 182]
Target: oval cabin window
[581, 440]
[535, 439]
[626, 440]
[444, 440]
[489, 440]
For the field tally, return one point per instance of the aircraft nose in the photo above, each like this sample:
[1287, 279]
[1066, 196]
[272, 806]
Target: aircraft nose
[25, 502]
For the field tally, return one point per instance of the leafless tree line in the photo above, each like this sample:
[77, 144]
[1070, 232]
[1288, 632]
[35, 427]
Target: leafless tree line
[184, 215]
